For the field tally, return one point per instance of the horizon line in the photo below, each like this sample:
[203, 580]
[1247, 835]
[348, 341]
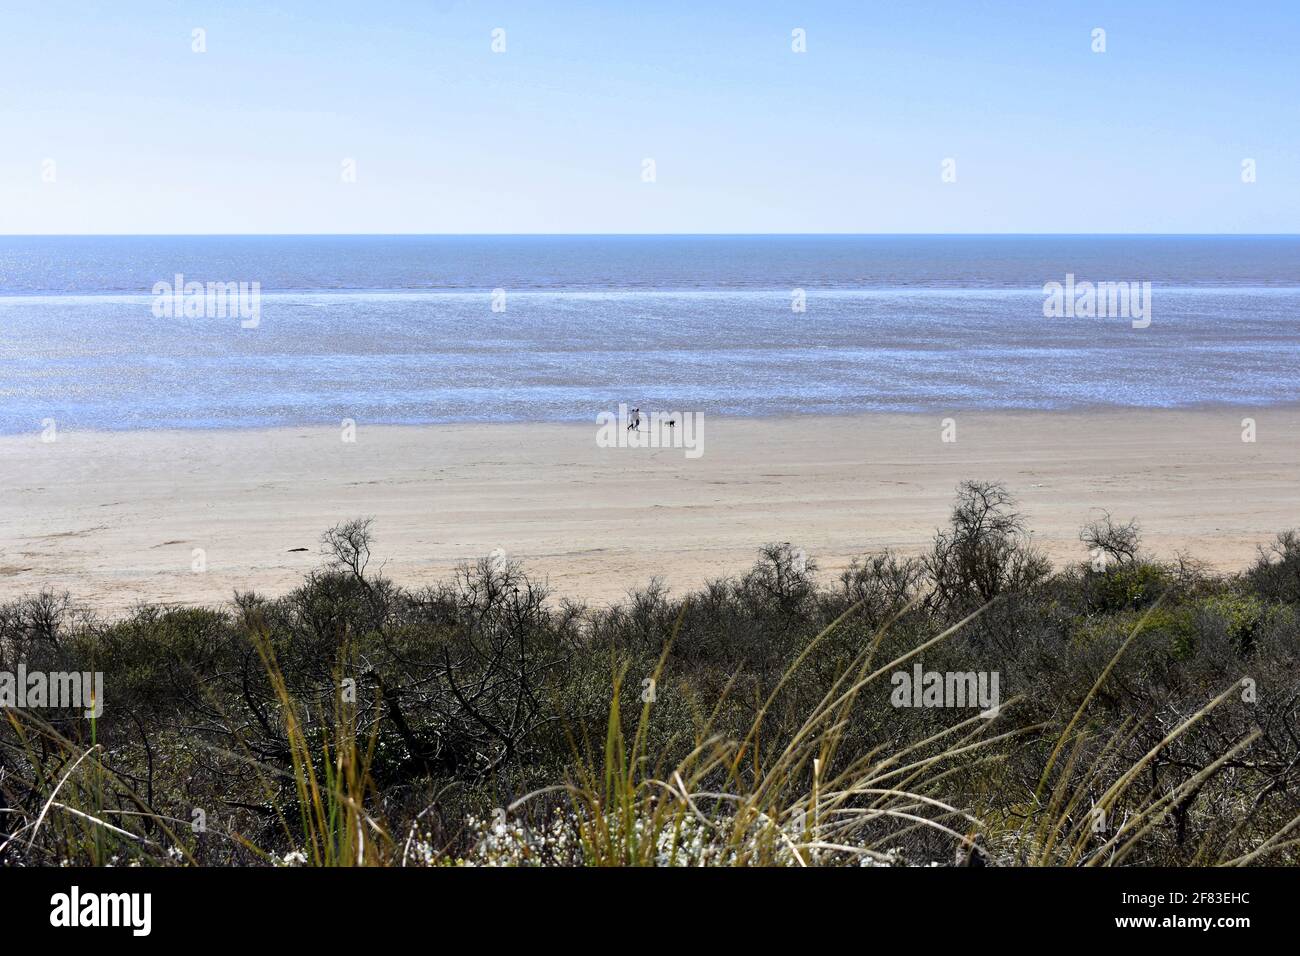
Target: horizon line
[641, 235]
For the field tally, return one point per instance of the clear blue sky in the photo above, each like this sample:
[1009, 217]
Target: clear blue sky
[748, 136]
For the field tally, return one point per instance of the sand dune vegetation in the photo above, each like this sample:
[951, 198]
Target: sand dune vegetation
[1147, 712]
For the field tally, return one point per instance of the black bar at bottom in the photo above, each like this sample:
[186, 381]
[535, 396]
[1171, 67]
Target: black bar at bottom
[300, 906]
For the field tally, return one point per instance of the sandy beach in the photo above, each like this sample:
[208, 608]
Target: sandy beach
[116, 518]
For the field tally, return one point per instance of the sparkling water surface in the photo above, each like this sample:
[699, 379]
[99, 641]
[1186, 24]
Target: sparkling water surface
[402, 329]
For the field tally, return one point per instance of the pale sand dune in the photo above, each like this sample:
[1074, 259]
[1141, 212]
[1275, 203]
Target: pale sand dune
[114, 517]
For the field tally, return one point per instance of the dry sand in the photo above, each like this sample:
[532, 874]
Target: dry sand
[115, 517]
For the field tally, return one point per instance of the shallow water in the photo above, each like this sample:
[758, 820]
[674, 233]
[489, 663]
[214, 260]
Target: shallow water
[402, 329]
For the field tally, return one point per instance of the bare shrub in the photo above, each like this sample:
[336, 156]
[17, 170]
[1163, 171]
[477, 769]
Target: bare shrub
[783, 574]
[986, 550]
[1118, 542]
[346, 546]
[882, 583]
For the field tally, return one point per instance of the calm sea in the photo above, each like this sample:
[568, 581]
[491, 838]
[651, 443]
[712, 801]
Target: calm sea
[439, 329]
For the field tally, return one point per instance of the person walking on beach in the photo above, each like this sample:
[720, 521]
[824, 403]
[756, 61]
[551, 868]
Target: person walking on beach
[634, 425]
